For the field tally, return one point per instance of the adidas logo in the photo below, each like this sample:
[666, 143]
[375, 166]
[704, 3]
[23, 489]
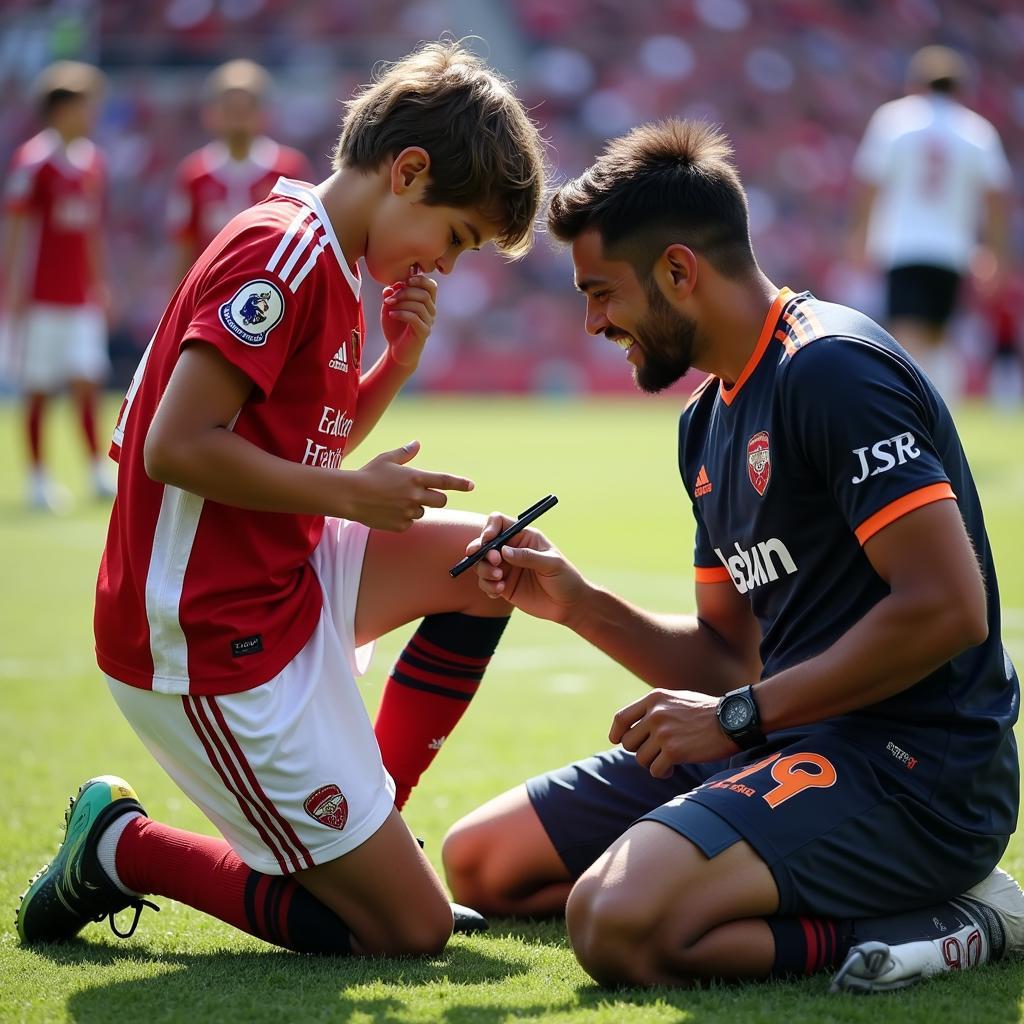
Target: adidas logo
[437, 743]
[703, 485]
[340, 359]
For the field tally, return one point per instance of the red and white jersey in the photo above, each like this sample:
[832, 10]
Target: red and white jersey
[932, 161]
[211, 187]
[198, 597]
[60, 188]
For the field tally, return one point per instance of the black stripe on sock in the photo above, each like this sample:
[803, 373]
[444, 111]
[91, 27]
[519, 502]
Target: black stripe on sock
[441, 691]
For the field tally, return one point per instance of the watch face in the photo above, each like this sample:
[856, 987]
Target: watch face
[736, 714]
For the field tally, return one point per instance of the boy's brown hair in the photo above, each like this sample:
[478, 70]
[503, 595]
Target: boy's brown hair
[485, 152]
[669, 181]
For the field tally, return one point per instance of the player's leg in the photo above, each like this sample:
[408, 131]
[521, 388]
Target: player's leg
[405, 579]
[290, 773]
[655, 909]
[42, 374]
[841, 846]
[499, 859]
[88, 366]
[519, 853]
[921, 302]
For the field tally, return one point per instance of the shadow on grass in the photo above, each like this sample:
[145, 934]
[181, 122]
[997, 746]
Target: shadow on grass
[467, 985]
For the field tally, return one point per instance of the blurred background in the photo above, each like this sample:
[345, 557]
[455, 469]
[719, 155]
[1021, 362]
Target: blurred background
[793, 81]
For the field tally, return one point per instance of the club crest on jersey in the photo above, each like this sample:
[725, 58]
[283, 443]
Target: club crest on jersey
[759, 462]
[254, 312]
[328, 806]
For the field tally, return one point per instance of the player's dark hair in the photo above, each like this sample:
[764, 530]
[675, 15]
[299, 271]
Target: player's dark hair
[52, 101]
[670, 181]
[485, 152]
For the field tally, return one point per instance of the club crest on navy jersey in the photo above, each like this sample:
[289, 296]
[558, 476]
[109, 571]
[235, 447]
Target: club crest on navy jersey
[328, 806]
[256, 309]
[759, 462]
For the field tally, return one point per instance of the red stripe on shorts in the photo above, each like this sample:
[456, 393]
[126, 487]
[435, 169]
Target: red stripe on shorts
[222, 764]
[268, 804]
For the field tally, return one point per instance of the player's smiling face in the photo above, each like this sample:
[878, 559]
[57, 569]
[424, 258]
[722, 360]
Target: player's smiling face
[408, 232]
[657, 339]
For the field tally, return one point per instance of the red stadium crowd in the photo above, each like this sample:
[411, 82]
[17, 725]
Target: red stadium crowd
[793, 82]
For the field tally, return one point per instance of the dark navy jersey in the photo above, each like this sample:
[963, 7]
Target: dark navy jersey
[831, 433]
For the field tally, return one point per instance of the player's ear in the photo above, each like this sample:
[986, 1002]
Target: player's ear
[676, 270]
[410, 170]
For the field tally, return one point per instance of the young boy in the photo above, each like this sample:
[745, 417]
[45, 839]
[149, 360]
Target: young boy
[53, 264]
[246, 576]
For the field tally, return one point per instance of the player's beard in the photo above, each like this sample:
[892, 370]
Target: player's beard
[666, 339]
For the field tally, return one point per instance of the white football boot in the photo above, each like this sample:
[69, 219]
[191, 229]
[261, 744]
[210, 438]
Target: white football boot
[993, 928]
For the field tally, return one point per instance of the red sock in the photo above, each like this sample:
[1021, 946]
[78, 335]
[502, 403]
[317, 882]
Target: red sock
[429, 690]
[87, 416]
[34, 428]
[205, 873]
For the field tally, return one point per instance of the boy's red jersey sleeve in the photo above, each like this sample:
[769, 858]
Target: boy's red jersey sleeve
[245, 310]
[20, 188]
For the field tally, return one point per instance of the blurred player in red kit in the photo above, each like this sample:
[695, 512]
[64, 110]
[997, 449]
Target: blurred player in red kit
[237, 169]
[53, 260]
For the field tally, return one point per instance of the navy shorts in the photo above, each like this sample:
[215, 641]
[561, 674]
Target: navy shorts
[841, 836]
[921, 292]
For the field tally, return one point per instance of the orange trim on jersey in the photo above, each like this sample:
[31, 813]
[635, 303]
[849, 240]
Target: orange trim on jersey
[699, 390]
[728, 394]
[900, 507]
[713, 574]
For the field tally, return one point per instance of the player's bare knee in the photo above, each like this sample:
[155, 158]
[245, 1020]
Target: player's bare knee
[611, 932]
[426, 934]
[460, 856]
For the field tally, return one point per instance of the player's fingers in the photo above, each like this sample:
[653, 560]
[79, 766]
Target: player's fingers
[547, 563]
[496, 522]
[625, 718]
[412, 318]
[400, 455]
[634, 740]
[421, 296]
[661, 767]
[446, 482]
[434, 499]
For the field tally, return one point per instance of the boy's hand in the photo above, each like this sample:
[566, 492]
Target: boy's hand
[529, 572]
[406, 317]
[386, 494]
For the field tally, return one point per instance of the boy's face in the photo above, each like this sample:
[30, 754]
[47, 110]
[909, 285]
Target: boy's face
[407, 231]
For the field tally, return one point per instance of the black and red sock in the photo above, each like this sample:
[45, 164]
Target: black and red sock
[205, 873]
[429, 689]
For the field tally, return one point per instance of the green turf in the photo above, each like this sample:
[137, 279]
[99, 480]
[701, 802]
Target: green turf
[547, 699]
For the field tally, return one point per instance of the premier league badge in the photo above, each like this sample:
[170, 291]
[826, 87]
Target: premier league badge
[759, 462]
[328, 806]
[255, 310]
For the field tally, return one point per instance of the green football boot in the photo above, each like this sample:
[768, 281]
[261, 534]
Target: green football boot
[73, 889]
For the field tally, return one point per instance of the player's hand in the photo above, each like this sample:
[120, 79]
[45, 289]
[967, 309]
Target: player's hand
[388, 494]
[529, 572]
[406, 317]
[669, 727]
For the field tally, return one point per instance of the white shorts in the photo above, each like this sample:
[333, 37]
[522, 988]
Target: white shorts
[62, 343]
[289, 771]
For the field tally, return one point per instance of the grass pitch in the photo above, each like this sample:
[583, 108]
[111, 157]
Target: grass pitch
[548, 698]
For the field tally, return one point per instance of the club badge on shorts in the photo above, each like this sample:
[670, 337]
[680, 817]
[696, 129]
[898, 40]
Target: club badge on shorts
[759, 462]
[256, 309]
[328, 806]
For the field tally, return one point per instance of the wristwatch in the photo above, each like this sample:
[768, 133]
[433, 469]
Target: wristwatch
[739, 718]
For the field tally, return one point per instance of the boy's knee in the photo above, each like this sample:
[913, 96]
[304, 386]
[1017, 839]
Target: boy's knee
[424, 935]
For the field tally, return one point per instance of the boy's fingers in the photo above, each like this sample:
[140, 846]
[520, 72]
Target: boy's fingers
[446, 482]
